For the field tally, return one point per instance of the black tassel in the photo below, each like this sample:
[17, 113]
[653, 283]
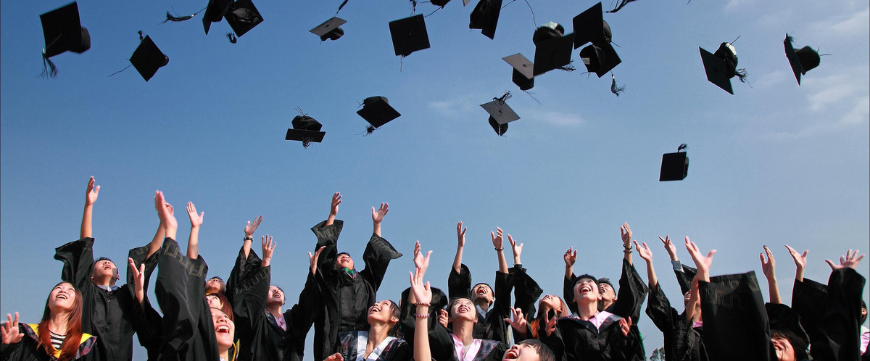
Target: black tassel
[341, 6]
[306, 142]
[507, 95]
[741, 74]
[232, 38]
[413, 6]
[569, 67]
[176, 19]
[49, 70]
[621, 4]
[141, 38]
[615, 89]
[128, 66]
[370, 129]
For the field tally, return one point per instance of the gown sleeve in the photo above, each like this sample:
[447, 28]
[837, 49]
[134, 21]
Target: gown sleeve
[660, 311]
[839, 329]
[247, 290]
[180, 296]
[501, 307]
[327, 236]
[78, 265]
[736, 325]
[526, 292]
[632, 292]
[568, 292]
[377, 256]
[459, 284]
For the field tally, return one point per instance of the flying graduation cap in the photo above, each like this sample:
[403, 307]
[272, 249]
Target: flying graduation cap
[409, 35]
[148, 58]
[500, 114]
[485, 17]
[523, 75]
[243, 16]
[377, 111]
[721, 66]
[801, 60]
[675, 166]
[305, 130]
[330, 29]
[552, 49]
[63, 32]
[590, 27]
[214, 12]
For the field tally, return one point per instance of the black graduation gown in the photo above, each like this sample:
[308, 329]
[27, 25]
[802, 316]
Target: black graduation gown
[442, 347]
[578, 340]
[396, 349]
[346, 298]
[682, 342]
[187, 328]
[835, 336]
[490, 326]
[112, 316]
[259, 334]
[28, 348]
[407, 320]
[736, 326]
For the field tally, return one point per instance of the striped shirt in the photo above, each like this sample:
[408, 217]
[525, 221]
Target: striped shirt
[56, 340]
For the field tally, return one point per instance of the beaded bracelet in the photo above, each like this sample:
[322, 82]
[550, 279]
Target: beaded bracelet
[423, 304]
[417, 315]
[499, 249]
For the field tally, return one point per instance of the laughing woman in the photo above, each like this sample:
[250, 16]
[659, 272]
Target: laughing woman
[376, 344]
[57, 337]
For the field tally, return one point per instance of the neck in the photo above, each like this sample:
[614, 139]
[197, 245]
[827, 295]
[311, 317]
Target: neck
[463, 330]
[275, 310]
[106, 282]
[59, 322]
[587, 310]
[483, 303]
[377, 334]
[604, 304]
[225, 354]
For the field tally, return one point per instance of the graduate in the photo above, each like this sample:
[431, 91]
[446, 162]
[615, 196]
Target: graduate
[58, 336]
[379, 342]
[347, 294]
[408, 305]
[109, 312]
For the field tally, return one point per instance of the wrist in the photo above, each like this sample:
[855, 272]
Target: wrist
[499, 249]
[248, 238]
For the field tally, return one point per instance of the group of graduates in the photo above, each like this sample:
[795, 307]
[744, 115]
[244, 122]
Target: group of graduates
[88, 317]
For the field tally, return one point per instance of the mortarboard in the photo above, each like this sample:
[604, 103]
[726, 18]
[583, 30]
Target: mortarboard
[243, 16]
[409, 35]
[485, 17]
[440, 3]
[377, 111]
[214, 12]
[547, 31]
[553, 53]
[600, 59]
[523, 75]
[801, 60]
[63, 31]
[306, 130]
[721, 66]
[500, 114]
[675, 166]
[148, 58]
[590, 27]
[330, 29]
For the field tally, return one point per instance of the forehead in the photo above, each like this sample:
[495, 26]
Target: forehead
[64, 285]
[216, 312]
[462, 301]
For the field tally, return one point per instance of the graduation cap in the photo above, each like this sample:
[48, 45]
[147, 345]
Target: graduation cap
[214, 12]
[243, 16]
[801, 60]
[63, 31]
[500, 114]
[721, 66]
[409, 35]
[148, 58]
[329, 29]
[485, 17]
[306, 130]
[675, 166]
[441, 3]
[590, 27]
[550, 30]
[377, 111]
[523, 73]
[599, 59]
[552, 53]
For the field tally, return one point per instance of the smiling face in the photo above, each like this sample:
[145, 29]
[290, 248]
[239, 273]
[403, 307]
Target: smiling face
[463, 309]
[586, 290]
[215, 285]
[482, 294]
[276, 296]
[784, 350]
[62, 298]
[528, 350]
[383, 312]
[343, 261]
[552, 302]
[224, 329]
[104, 271]
[607, 292]
[214, 301]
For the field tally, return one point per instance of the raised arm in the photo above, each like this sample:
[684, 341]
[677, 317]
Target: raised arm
[378, 217]
[139, 277]
[570, 257]
[694, 304]
[498, 243]
[167, 218]
[423, 294]
[517, 249]
[195, 223]
[250, 228]
[625, 233]
[646, 254]
[701, 262]
[460, 244]
[333, 209]
[800, 262]
[767, 267]
[87, 218]
[268, 249]
[154, 246]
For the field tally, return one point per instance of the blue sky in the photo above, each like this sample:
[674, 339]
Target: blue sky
[775, 163]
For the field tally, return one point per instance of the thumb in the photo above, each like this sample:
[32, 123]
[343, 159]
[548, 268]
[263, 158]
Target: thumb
[830, 263]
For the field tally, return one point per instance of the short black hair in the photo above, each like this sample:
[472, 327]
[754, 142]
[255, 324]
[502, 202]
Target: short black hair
[223, 288]
[114, 272]
[864, 316]
[544, 352]
[799, 344]
[605, 280]
[580, 277]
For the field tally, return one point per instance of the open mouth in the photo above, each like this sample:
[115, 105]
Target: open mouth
[585, 288]
[481, 291]
[62, 296]
[511, 354]
[374, 309]
[222, 329]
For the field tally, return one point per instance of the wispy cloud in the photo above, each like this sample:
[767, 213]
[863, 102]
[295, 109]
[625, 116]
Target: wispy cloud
[771, 79]
[846, 25]
[734, 4]
[559, 119]
[454, 109]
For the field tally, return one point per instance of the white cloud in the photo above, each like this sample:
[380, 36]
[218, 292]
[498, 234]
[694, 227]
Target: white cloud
[734, 4]
[454, 109]
[845, 25]
[560, 119]
[770, 79]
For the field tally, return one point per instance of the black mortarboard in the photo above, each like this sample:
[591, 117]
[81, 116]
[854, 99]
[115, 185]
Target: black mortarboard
[409, 35]
[440, 3]
[553, 53]
[243, 16]
[717, 70]
[330, 29]
[675, 166]
[590, 27]
[524, 74]
[599, 59]
[63, 31]
[148, 58]
[500, 114]
[547, 31]
[306, 130]
[377, 111]
[214, 12]
[801, 60]
[485, 17]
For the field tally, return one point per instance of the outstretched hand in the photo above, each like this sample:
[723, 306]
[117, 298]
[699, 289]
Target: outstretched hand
[195, 220]
[497, 239]
[423, 293]
[570, 256]
[460, 234]
[268, 249]
[251, 227]
[419, 261]
[767, 266]
[516, 248]
[644, 252]
[336, 200]
[701, 263]
[335, 357]
[851, 260]
[139, 278]
[625, 233]
[551, 324]
[625, 326]
[10, 330]
[92, 192]
[378, 216]
[312, 260]
[166, 214]
[669, 246]
[518, 322]
[800, 260]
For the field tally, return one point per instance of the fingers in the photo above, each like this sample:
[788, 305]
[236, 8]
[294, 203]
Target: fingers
[830, 264]
[511, 240]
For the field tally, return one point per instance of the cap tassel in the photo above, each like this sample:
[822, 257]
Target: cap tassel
[370, 129]
[232, 38]
[49, 70]
[621, 4]
[128, 66]
[614, 88]
[343, 3]
[741, 74]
